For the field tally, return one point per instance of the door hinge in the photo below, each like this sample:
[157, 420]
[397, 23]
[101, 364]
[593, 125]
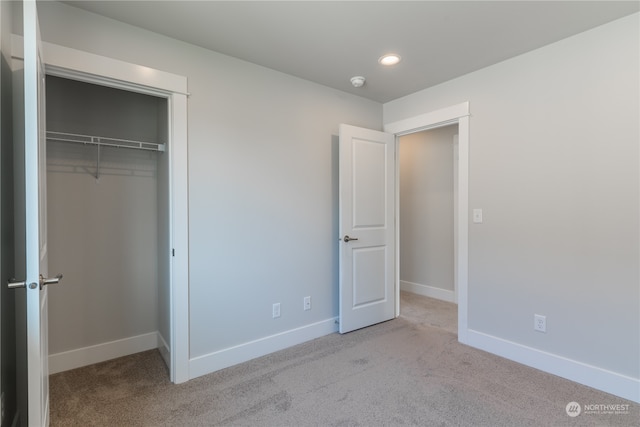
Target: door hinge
[173, 252]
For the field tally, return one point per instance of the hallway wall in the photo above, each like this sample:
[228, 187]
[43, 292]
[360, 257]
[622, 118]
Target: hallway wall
[426, 212]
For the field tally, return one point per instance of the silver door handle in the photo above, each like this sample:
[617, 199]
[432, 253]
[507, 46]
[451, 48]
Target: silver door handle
[348, 239]
[49, 280]
[14, 284]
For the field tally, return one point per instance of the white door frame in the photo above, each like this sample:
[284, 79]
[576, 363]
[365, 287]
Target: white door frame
[456, 114]
[78, 65]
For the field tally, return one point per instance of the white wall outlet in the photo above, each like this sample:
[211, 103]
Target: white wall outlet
[276, 310]
[307, 303]
[540, 323]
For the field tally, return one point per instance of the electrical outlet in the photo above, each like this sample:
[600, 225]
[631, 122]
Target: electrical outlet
[307, 303]
[276, 310]
[540, 323]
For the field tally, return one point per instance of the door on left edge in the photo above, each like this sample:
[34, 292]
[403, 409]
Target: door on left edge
[31, 234]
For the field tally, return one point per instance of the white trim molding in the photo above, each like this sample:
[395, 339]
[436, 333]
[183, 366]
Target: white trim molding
[434, 119]
[592, 376]
[428, 291]
[224, 358]
[72, 359]
[455, 114]
[61, 59]
[164, 349]
[87, 67]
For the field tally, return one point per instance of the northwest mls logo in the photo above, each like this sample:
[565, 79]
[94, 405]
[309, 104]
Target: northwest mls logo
[573, 409]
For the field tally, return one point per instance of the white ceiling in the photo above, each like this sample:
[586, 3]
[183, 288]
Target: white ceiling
[328, 42]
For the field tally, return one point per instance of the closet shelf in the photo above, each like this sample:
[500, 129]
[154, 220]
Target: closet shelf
[103, 141]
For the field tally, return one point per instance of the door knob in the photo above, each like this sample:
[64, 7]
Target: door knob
[49, 280]
[14, 284]
[348, 239]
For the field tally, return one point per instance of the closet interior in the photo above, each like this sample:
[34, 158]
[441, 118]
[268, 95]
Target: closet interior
[108, 214]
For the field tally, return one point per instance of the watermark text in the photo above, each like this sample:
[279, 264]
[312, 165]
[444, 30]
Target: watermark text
[574, 409]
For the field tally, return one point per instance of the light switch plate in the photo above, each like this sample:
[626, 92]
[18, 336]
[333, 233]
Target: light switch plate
[477, 216]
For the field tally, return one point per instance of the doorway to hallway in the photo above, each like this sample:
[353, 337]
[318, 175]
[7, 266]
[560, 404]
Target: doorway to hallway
[427, 234]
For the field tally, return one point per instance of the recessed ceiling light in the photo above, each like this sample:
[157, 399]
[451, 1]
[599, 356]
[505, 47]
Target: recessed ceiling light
[389, 59]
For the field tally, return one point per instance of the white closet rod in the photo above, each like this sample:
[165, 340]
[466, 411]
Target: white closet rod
[103, 141]
[99, 141]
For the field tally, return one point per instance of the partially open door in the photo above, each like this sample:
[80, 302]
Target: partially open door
[367, 227]
[31, 243]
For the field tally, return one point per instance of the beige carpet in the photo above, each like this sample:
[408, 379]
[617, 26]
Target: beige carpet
[398, 373]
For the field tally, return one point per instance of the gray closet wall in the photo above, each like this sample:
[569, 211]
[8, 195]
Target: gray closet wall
[106, 235]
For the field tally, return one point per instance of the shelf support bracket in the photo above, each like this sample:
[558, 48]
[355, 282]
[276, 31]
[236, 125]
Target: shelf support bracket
[97, 140]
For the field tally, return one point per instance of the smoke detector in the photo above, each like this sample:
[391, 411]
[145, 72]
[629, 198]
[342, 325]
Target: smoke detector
[357, 81]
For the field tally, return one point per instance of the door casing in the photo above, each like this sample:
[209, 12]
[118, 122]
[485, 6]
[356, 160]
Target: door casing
[78, 65]
[456, 114]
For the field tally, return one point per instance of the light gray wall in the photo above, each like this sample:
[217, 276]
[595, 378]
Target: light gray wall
[102, 233]
[554, 165]
[262, 179]
[426, 208]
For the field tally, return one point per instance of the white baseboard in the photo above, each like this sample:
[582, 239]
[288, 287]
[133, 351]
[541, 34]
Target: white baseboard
[221, 359]
[80, 357]
[592, 376]
[165, 350]
[428, 291]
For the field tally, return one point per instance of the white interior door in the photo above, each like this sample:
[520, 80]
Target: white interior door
[367, 227]
[35, 221]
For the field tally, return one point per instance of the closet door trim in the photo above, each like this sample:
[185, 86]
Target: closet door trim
[92, 68]
[78, 65]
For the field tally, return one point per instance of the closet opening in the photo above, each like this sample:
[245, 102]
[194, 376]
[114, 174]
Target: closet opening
[108, 215]
[427, 233]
